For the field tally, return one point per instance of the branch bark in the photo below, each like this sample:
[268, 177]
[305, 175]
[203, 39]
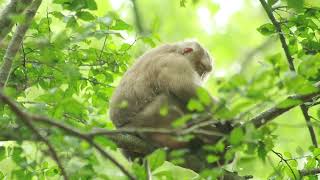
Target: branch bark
[16, 41]
[308, 172]
[14, 7]
[285, 47]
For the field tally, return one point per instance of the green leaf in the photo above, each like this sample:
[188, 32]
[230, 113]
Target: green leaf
[287, 154]
[139, 171]
[106, 142]
[2, 153]
[183, 3]
[204, 96]
[1, 175]
[289, 103]
[85, 15]
[262, 152]
[52, 172]
[91, 4]
[218, 147]
[121, 25]
[298, 84]
[272, 2]
[26, 174]
[149, 41]
[316, 152]
[267, 29]
[310, 67]
[156, 159]
[212, 158]
[182, 120]
[293, 163]
[71, 22]
[296, 4]
[236, 136]
[60, 1]
[164, 110]
[57, 14]
[169, 171]
[195, 105]
[17, 155]
[311, 163]
[299, 151]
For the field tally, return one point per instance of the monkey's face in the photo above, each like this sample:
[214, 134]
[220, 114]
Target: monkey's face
[198, 57]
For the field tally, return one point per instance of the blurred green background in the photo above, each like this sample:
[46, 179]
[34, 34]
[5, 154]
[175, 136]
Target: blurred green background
[228, 29]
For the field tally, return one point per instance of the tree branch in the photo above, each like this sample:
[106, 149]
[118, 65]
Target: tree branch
[285, 47]
[26, 116]
[16, 41]
[277, 110]
[308, 172]
[14, 7]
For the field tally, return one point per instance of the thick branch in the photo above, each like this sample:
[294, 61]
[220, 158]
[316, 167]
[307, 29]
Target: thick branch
[277, 110]
[285, 47]
[308, 172]
[16, 41]
[15, 7]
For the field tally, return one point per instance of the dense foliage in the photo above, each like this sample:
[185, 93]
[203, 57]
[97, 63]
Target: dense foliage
[63, 70]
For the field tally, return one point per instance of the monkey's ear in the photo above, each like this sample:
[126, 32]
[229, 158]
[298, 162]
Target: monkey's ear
[187, 50]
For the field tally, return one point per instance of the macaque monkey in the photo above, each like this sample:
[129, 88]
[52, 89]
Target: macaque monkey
[164, 77]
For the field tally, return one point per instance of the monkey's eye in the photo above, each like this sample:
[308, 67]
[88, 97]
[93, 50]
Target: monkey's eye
[187, 50]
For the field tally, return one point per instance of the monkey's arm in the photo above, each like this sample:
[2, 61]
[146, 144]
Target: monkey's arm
[177, 77]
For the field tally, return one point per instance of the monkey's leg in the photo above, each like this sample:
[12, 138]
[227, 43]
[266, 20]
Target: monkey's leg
[152, 117]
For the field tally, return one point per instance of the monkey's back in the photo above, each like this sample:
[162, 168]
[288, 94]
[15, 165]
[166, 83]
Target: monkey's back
[138, 86]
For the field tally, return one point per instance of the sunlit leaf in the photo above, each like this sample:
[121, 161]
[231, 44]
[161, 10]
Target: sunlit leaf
[267, 29]
[236, 136]
[156, 159]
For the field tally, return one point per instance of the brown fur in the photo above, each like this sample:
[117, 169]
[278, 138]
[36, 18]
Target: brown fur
[164, 76]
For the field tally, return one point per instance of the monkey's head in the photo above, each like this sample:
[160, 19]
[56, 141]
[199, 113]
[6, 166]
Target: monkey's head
[197, 55]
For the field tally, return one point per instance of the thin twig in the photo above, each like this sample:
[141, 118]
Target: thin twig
[285, 161]
[102, 48]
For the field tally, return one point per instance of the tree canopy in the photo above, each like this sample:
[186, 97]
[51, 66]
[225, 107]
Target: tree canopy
[60, 61]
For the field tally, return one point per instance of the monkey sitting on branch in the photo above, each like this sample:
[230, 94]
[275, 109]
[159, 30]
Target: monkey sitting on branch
[166, 77]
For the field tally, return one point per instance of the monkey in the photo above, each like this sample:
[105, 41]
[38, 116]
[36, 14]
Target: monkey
[168, 75]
